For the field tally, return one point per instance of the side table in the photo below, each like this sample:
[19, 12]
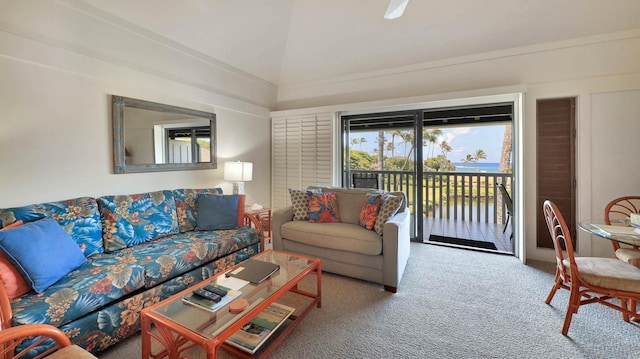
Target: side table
[264, 218]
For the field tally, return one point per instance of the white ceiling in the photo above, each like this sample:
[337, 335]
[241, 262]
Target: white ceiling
[289, 42]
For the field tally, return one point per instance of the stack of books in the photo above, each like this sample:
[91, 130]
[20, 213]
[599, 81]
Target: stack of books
[208, 304]
[255, 333]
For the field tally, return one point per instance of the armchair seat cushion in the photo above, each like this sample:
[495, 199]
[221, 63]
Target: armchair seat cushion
[341, 236]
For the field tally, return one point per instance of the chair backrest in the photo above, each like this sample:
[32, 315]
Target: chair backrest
[620, 208]
[10, 338]
[506, 197]
[561, 238]
[364, 180]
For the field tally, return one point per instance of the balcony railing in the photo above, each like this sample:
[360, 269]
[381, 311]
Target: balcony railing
[468, 196]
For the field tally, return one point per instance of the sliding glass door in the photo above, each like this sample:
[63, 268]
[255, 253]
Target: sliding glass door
[379, 151]
[448, 162]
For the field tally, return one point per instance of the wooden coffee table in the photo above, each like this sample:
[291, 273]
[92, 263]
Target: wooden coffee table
[177, 326]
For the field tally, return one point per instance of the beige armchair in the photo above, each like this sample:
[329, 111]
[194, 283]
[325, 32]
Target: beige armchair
[346, 248]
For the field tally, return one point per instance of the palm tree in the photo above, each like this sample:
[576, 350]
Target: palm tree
[468, 159]
[505, 154]
[381, 140]
[391, 148]
[479, 155]
[429, 138]
[362, 140]
[407, 137]
[394, 133]
[446, 148]
[358, 141]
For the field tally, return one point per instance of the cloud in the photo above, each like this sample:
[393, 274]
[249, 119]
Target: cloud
[449, 136]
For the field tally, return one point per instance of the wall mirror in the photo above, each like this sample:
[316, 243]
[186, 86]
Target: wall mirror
[153, 137]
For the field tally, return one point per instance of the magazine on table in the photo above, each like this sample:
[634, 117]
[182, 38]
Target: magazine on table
[252, 335]
[208, 304]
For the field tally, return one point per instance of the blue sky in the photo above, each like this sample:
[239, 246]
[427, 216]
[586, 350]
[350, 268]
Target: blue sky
[463, 141]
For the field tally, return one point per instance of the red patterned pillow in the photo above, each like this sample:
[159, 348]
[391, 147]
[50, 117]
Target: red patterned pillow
[14, 283]
[369, 211]
[323, 207]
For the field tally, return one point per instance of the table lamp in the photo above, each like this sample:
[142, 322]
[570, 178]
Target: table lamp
[238, 172]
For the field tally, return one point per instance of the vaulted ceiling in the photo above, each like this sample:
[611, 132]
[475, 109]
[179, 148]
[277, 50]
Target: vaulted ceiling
[289, 42]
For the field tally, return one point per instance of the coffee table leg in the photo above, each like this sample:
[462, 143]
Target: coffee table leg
[211, 350]
[146, 338]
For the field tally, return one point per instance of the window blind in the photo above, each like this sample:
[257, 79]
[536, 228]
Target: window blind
[302, 154]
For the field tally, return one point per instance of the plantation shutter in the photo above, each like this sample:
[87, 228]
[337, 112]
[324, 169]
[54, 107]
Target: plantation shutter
[302, 152]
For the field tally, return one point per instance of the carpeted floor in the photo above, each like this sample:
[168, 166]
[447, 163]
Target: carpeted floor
[451, 303]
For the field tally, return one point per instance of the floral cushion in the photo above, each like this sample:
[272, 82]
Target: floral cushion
[369, 211]
[98, 282]
[169, 257]
[137, 218]
[323, 207]
[187, 206]
[79, 217]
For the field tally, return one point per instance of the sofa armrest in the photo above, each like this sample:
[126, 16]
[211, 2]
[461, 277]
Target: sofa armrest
[278, 218]
[395, 248]
[250, 220]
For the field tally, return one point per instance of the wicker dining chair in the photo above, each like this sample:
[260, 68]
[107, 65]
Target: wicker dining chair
[10, 338]
[588, 279]
[617, 210]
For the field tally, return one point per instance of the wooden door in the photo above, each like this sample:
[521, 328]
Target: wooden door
[556, 163]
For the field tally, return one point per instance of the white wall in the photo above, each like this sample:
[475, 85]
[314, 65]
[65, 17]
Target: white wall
[599, 70]
[58, 68]
[615, 145]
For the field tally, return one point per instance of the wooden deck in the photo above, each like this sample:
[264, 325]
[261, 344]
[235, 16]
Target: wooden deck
[488, 232]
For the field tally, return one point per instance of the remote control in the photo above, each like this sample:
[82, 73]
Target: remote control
[206, 294]
[213, 289]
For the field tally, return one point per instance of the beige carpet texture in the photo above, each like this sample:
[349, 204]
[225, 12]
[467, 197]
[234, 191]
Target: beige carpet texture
[451, 303]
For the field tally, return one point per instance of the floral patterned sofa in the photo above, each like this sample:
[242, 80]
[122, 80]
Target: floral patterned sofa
[139, 249]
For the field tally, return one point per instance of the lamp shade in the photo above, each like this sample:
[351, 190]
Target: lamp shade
[238, 171]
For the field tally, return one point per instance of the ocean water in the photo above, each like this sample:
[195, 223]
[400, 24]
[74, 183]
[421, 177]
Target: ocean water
[484, 167]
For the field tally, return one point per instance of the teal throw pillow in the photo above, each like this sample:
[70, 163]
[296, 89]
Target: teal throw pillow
[42, 251]
[217, 212]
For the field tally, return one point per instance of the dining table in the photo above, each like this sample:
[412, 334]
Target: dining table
[621, 232]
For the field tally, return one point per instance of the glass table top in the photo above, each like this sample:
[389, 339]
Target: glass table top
[209, 324]
[619, 232]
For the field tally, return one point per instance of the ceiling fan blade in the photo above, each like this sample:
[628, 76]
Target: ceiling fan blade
[395, 9]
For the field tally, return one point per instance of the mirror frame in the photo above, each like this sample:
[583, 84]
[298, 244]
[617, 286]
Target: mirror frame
[119, 162]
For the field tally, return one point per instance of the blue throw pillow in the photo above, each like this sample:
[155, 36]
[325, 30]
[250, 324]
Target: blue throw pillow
[217, 212]
[42, 251]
